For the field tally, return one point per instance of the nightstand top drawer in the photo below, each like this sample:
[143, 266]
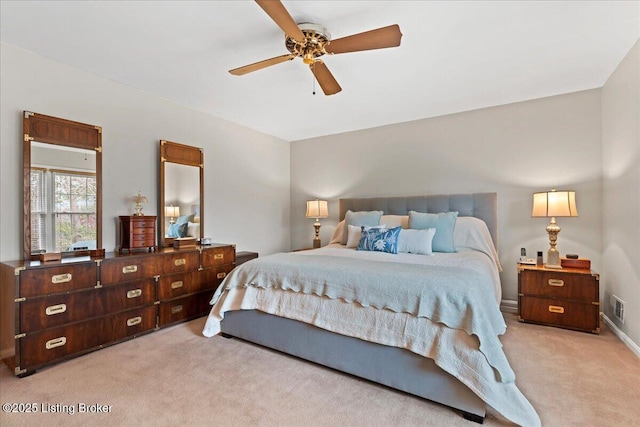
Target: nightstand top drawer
[558, 285]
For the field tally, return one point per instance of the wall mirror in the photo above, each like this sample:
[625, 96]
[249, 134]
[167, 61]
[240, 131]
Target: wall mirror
[62, 174]
[181, 192]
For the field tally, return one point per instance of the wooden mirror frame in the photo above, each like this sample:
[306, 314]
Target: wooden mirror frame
[52, 130]
[182, 154]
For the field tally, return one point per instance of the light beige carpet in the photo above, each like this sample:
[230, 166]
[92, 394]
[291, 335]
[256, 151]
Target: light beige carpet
[176, 377]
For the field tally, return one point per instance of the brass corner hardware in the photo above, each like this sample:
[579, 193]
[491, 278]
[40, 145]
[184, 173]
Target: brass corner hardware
[27, 138]
[18, 336]
[19, 299]
[17, 270]
[98, 149]
[28, 114]
[98, 128]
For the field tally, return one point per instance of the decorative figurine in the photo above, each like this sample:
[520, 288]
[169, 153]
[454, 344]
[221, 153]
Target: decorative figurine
[139, 200]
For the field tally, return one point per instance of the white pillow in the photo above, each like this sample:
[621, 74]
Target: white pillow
[473, 233]
[355, 233]
[394, 221]
[337, 233]
[416, 241]
[193, 229]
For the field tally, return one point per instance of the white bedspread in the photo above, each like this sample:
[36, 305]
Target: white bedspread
[453, 350]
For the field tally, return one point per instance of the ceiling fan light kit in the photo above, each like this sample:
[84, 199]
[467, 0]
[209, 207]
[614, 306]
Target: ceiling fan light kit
[310, 41]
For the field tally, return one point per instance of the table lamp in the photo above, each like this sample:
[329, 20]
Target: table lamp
[551, 204]
[317, 209]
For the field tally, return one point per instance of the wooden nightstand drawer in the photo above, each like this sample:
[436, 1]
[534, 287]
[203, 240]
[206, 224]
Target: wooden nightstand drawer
[568, 298]
[558, 312]
[559, 285]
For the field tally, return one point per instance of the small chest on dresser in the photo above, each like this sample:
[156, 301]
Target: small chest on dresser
[137, 232]
[567, 298]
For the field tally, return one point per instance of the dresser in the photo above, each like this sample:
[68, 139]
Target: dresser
[62, 309]
[137, 233]
[566, 298]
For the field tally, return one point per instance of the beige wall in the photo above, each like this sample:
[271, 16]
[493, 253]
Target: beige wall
[513, 149]
[246, 172]
[621, 192]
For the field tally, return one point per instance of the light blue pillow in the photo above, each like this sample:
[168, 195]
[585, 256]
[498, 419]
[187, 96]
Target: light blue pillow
[380, 240]
[366, 218]
[183, 219]
[178, 230]
[444, 223]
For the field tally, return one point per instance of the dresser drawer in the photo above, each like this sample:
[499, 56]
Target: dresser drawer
[185, 308]
[578, 287]
[142, 227]
[212, 257]
[557, 312]
[176, 285]
[114, 271]
[62, 278]
[57, 343]
[56, 310]
[212, 277]
[180, 262]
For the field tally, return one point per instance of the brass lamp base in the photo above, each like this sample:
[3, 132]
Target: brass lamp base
[553, 256]
[316, 240]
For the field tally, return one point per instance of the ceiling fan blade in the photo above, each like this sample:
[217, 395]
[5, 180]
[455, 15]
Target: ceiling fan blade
[260, 65]
[375, 39]
[276, 10]
[325, 79]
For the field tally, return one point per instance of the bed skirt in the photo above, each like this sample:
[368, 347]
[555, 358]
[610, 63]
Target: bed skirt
[391, 366]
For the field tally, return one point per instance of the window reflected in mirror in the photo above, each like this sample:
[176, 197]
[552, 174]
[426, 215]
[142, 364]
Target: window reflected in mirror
[63, 198]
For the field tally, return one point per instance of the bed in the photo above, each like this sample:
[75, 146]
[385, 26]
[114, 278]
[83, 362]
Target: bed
[442, 345]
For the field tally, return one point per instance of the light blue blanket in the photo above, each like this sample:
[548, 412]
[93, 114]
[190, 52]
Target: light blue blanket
[457, 297]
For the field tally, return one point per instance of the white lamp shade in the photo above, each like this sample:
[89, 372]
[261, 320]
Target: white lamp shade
[172, 211]
[317, 209]
[554, 203]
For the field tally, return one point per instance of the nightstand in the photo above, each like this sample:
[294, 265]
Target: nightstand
[244, 256]
[567, 298]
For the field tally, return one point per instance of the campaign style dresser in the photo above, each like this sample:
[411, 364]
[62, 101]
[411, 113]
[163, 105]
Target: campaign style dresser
[61, 309]
[566, 298]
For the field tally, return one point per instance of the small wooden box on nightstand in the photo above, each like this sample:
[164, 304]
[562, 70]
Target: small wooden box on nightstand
[137, 232]
[566, 298]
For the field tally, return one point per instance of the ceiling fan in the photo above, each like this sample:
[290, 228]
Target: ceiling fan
[311, 41]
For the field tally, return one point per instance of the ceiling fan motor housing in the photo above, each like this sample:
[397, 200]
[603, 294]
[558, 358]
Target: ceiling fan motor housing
[316, 38]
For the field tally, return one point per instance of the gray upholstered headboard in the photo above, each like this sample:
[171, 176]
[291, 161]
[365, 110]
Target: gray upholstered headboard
[479, 205]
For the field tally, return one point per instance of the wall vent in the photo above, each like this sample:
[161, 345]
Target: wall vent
[618, 309]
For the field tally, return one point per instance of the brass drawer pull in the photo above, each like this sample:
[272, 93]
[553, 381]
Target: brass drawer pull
[221, 275]
[55, 309]
[134, 321]
[129, 269]
[177, 284]
[179, 262]
[556, 309]
[218, 256]
[56, 342]
[176, 309]
[556, 282]
[61, 278]
[134, 293]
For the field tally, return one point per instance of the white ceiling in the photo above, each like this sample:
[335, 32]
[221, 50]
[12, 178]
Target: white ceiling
[455, 56]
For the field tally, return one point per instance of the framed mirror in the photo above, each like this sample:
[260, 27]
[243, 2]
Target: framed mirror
[181, 192]
[62, 190]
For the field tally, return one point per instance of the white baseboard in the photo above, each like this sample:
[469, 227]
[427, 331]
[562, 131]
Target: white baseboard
[509, 306]
[623, 337]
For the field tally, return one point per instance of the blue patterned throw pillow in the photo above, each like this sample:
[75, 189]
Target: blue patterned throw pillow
[380, 240]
